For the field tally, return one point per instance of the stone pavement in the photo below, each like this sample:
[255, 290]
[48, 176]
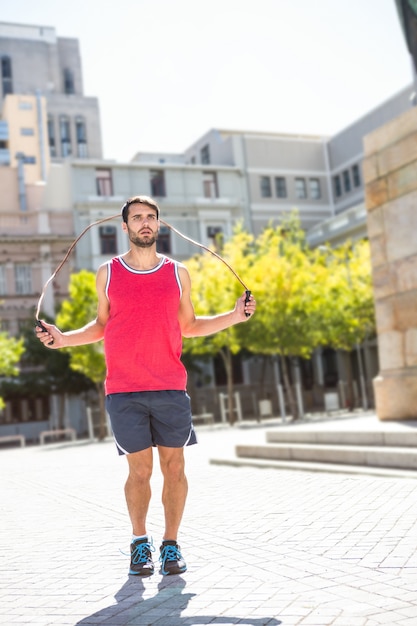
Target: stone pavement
[263, 546]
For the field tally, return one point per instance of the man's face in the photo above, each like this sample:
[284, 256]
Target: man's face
[142, 225]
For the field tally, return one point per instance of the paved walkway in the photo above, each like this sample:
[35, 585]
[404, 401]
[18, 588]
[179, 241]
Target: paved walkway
[263, 546]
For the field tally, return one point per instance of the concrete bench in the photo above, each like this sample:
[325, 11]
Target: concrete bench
[206, 418]
[46, 434]
[10, 438]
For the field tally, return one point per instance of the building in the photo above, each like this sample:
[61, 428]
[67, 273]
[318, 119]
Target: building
[35, 61]
[345, 160]
[45, 120]
[34, 229]
[185, 193]
[281, 172]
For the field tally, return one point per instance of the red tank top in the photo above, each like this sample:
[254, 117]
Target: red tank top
[142, 337]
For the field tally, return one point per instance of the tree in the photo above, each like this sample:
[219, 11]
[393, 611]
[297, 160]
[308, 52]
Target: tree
[80, 309]
[11, 350]
[288, 288]
[350, 317]
[43, 371]
[306, 299]
[214, 289]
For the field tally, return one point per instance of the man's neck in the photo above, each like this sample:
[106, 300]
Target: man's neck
[142, 258]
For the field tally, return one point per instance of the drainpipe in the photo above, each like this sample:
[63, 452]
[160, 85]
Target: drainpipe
[248, 207]
[21, 181]
[328, 174]
[41, 134]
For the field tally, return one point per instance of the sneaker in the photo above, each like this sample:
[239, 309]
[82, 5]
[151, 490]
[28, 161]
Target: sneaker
[171, 558]
[141, 563]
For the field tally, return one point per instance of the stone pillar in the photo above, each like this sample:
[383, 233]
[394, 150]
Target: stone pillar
[390, 176]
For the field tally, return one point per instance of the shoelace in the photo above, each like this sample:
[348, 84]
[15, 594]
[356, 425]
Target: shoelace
[142, 553]
[170, 553]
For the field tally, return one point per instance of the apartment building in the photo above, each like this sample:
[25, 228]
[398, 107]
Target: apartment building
[45, 120]
[201, 202]
[35, 61]
[281, 171]
[34, 228]
[345, 157]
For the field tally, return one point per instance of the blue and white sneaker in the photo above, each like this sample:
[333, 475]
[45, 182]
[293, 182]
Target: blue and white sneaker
[141, 563]
[171, 558]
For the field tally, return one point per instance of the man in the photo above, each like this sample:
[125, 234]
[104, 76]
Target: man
[144, 309]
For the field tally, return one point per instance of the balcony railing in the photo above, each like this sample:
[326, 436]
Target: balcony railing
[35, 223]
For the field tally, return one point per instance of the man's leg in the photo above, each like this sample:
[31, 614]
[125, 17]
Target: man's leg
[174, 495]
[175, 489]
[138, 495]
[138, 488]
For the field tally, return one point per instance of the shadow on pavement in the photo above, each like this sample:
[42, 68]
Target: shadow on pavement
[163, 609]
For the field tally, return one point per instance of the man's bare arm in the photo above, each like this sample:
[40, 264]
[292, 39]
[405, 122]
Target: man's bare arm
[90, 333]
[199, 326]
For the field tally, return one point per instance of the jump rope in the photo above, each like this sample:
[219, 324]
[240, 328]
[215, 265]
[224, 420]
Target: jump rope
[113, 217]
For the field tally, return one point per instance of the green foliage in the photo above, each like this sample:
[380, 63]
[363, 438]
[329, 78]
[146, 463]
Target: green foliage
[305, 298]
[287, 289]
[349, 316]
[214, 290]
[79, 310]
[44, 370]
[11, 350]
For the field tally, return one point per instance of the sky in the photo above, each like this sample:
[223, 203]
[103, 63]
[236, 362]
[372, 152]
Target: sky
[167, 71]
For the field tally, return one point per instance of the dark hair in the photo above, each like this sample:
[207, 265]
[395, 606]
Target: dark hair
[146, 200]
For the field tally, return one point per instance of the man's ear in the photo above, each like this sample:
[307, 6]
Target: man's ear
[124, 226]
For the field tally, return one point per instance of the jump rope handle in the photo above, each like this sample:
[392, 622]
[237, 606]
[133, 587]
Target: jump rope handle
[248, 293]
[39, 323]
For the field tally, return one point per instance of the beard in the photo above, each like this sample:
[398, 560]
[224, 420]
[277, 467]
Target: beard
[144, 241]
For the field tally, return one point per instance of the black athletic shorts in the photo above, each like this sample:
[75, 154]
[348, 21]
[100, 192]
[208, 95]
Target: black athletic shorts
[143, 419]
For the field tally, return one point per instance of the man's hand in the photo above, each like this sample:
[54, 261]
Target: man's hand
[245, 307]
[49, 335]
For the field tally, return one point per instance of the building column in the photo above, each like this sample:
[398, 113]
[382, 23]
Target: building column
[390, 176]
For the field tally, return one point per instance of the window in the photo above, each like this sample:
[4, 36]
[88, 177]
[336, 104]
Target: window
[51, 136]
[163, 243]
[157, 183]
[68, 81]
[23, 279]
[24, 105]
[337, 186]
[3, 284]
[280, 187]
[210, 185]
[6, 75]
[346, 181]
[356, 176]
[81, 134]
[65, 134]
[300, 188]
[265, 183]
[23, 324]
[5, 325]
[27, 132]
[104, 182]
[315, 191]
[215, 236]
[205, 154]
[108, 239]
